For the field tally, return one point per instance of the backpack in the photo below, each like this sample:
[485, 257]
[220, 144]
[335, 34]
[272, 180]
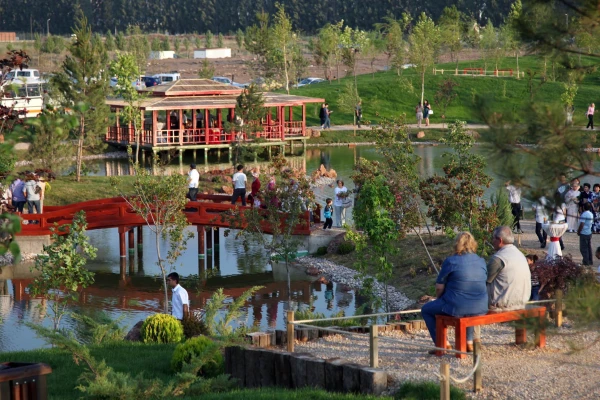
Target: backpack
[327, 212]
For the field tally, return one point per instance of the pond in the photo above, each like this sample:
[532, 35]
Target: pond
[134, 291]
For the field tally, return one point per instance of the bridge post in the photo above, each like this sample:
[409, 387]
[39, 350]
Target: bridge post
[122, 242]
[291, 147]
[131, 237]
[200, 235]
[131, 266]
[209, 241]
[123, 268]
[269, 148]
[229, 153]
[216, 239]
[194, 154]
[180, 156]
[218, 154]
[206, 156]
[140, 239]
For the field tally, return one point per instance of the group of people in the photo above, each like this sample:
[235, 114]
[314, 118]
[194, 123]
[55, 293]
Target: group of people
[336, 206]
[468, 286]
[324, 116]
[423, 111]
[28, 191]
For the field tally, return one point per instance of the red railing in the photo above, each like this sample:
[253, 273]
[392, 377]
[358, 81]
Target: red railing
[294, 128]
[115, 212]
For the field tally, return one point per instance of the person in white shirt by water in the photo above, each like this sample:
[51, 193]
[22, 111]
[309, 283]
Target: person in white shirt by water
[180, 302]
[514, 196]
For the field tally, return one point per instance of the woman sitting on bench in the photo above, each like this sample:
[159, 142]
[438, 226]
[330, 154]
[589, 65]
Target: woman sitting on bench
[460, 287]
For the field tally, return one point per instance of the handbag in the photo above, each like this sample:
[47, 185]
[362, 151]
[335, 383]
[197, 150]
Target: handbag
[430, 112]
[347, 202]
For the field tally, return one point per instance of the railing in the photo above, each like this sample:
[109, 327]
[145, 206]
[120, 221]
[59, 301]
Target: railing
[294, 128]
[479, 72]
[115, 212]
[374, 338]
[271, 132]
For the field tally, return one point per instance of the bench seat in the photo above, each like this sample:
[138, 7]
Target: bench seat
[460, 325]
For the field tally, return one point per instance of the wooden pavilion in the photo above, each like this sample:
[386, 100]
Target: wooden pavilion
[191, 113]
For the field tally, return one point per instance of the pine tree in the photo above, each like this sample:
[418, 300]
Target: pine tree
[83, 86]
[109, 42]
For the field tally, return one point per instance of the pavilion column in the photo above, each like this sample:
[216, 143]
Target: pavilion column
[168, 122]
[154, 127]
[303, 119]
[290, 113]
[282, 121]
[206, 125]
[180, 127]
[201, 247]
[219, 119]
[193, 136]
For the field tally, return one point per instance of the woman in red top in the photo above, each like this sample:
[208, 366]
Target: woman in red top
[255, 188]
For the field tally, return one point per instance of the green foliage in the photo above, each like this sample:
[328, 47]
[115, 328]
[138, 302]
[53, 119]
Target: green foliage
[155, 44]
[425, 391]
[98, 329]
[222, 326]
[208, 39]
[138, 48]
[109, 42]
[207, 70]
[445, 94]
[161, 328]
[424, 43]
[120, 41]
[165, 45]
[239, 38]
[503, 208]
[61, 269]
[7, 163]
[202, 348]
[321, 251]
[346, 248]
[220, 41]
[193, 326]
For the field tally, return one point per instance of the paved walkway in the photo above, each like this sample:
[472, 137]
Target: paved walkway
[413, 126]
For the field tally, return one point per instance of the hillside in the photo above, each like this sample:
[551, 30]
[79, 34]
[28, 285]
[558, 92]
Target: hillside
[387, 94]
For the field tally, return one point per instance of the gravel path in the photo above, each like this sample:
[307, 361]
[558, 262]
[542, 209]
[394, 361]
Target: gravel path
[509, 371]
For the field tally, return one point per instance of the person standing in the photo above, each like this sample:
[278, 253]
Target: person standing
[535, 280]
[508, 275]
[514, 196]
[358, 112]
[338, 204]
[18, 197]
[585, 234]
[193, 182]
[590, 115]
[254, 187]
[541, 217]
[419, 112]
[41, 182]
[328, 213]
[323, 115]
[239, 185]
[327, 124]
[572, 202]
[426, 112]
[180, 301]
[32, 191]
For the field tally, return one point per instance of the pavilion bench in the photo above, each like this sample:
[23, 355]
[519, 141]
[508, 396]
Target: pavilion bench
[460, 325]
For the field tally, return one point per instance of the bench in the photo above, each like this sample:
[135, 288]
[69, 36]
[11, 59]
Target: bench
[460, 325]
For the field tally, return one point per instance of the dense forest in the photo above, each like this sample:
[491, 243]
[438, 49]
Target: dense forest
[188, 16]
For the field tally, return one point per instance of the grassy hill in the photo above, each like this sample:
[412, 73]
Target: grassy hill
[387, 94]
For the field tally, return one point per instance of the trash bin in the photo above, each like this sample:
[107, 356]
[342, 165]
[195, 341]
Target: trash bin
[23, 381]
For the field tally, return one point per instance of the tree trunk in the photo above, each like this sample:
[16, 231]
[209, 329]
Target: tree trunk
[422, 85]
[285, 68]
[337, 64]
[80, 148]
[162, 271]
[427, 251]
[518, 73]
[137, 141]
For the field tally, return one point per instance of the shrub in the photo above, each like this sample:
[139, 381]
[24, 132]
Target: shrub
[321, 251]
[162, 328]
[7, 164]
[205, 350]
[425, 391]
[193, 326]
[346, 248]
[556, 274]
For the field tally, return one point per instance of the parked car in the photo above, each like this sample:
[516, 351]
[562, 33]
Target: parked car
[138, 84]
[150, 81]
[168, 77]
[23, 76]
[309, 81]
[227, 81]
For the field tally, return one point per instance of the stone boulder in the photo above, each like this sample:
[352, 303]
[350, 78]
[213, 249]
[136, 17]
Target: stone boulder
[312, 271]
[420, 135]
[135, 334]
[322, 170]
[227, 189]
[473, 134]
[332, 248]
[331, 173]
[313, 133]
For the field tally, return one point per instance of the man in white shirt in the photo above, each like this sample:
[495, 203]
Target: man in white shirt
[180, 302]
[514, 196]
[541, 217]
[239, 185]
[193, 181]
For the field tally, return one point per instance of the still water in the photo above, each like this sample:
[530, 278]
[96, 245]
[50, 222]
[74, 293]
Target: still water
[133, 291]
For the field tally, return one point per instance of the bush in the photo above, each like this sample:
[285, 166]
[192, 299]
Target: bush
[162, 328]
[558, 273]
[425, 391]
[204, 349]
[7, 164]
[193, 326]
[346, 248]
[321, 251]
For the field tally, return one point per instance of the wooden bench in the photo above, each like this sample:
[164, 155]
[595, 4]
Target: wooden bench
[460, 325]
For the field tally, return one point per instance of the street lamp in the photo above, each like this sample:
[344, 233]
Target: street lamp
[48, 28]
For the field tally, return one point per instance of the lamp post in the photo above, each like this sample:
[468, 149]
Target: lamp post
[48, 27]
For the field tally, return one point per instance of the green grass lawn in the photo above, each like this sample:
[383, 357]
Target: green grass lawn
[153, 360]
[388, 95]
[342, 137]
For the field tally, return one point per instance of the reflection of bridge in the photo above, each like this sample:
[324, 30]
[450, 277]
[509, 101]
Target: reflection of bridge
[207, 210]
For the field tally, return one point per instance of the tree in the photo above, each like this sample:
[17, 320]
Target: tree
[220, 40]
[284, 39]
[186, 46]
[207, 70]
[120, 41]
[82, 85]
[208, 40]
[568, 99]
[323, 47]
[49, 133]
[165, 45]
[160, 200]
[259, 41]
[394, 44]
[353, 42]
[424, 42]
[489, 42]
[138, 47]
[445, 95]
[109, 42]
[155, 44]
[510, 34]
[348, 100]
[176, 45]
[126, 70]
[373, 48]
[451, 31]
[62, 272]
[37, 45]
[239, 39]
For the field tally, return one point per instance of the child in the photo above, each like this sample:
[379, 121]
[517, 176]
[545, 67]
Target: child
[535, 282]
[327, 212]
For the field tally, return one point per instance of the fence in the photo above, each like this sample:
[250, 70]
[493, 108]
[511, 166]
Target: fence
[374, 338]
[480, 72]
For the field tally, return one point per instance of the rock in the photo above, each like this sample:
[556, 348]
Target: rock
[332, 248]
[135, 334]
[331, 173]
[312, 271]
[323, 170]
[227, 189]
[228, 178]
[420, 135]
[314, 132]
[473, 133]
[373, 381]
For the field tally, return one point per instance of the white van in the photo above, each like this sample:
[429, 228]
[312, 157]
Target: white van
[21, 76]
[27, 100]
[169, 77]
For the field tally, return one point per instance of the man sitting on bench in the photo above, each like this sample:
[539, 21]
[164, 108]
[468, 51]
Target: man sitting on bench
[508, 275]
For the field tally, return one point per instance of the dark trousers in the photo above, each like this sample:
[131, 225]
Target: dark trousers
[590, 121]
[328, 223]
[192, 193]
[516, 212]
[541, 234]
[19, 205]
[239, 193]
[535, 293]
[585, 246]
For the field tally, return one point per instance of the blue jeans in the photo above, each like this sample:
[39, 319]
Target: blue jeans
[433, 308]
[327, 123]
[535, 293]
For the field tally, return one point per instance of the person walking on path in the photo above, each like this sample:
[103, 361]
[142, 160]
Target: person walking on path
[460, 287]
[514, 196]
[358, 113]
[193, 181]
[585, 234]
[41, 182]
[426, 112]
[180, 301]
[327, 124]
[419, 112]
[323, 115]
[239, 185]
[541, 217]
[590, 114]
[338, 204]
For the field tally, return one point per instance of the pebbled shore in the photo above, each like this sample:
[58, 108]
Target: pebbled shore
[112, 155]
